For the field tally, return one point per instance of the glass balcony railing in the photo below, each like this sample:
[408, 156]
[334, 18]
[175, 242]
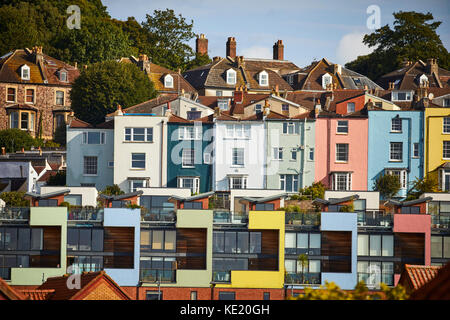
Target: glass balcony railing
[375, 219]
[440, 221]
[158, 216]
[10, 213]
[220, 216]
[222, 276]
[155, 275]
[374, 279]
[311, 219]
[303, 278]
[85, 214]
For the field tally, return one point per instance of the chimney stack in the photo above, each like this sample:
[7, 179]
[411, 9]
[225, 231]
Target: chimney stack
[238, 95]
[3, 151]
[240, 61]
[37, 53]
[201, 45]
[144, 63]
[215, 59]
[278, 50]
[432, 66]
[231, 47]
[391, 86]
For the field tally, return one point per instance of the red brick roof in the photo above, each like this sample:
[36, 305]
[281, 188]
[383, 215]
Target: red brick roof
[8, 292]
[77, 123]
[89, 281]
[47, 175]
[174, 118]
[37, 294]
[436, 289]
[417, 276]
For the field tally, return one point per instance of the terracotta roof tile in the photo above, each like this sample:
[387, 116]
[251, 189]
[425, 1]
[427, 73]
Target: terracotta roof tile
[77, 123]
[37, 294]
[437, 288]
[147, 106]
[10, 293]
[420, 275]
[47, 175]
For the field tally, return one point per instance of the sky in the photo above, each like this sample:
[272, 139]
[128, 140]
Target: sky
[310, 30]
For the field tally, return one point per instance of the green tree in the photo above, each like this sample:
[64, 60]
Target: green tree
[427, 184]
[15, 199]
[412, 37]
[388, 185]
[303, 261]
[15, 139]
[59, 179]
[168, 37]
[113, 190]
[199, 60]
[60, 135]
[102, 86]
[316, 190]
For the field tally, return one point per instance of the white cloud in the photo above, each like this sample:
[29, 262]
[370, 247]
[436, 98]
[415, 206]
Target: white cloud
[350, 47]
[257, 52]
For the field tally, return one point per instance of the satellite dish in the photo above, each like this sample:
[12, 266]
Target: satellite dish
[430, 96]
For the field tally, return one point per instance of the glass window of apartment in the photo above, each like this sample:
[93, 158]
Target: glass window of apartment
[230, 242]
[311, 154]
[157, 239]
[264, 207]
[278, 153]
[73, 199]
[224, 295]
[85, 240]
[187, 158]
[436, 247]
[342, 126]
[363, 244]
[190, 133]
[24, 120]
[14, 120]
[138, 160]
[401, 96]
[350, 107]
[396, 151]
[11, 95]
[446, 150]
[136, 183]
[375, 245]
[238, 156]
[192, 205]
[93, 138]
[170, 240]
[290, 242]
[29, 96]
[293, 154]
[341, 152]
[48, 203]
[396, 125]
[139, 134]
[446, 125]
[23, 242]
[258, 108]
[284, 107]
[37, 239]
[60, 98]
[218, 241]
[72, 239]
[342, 181]
[97, 240]
[146, 239]
[314, 240]
[189, 182]
[388, 246]
[290, 128]
[255, 242]
[222, 104]
[416, 153]
[242, 242]
[402, 176]
[90, 166]
[238, 131]
[302, 241]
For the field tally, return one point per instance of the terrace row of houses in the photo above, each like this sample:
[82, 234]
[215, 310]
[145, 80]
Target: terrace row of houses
[346, 141]
[238, 244]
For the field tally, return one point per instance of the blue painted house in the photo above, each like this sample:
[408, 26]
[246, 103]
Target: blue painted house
[189, 153]
[395, 146]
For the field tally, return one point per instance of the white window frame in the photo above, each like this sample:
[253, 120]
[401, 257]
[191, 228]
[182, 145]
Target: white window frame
[223, 104]
[231, 182]
[391, 146]
[351, 104]
[168, 81]
[60, 76]
[258, 108]
[408, 95]
[348, 180]
[238, 131]
[63, 97]
[145, 161]
[396, 125]
[402, 174]
[293, 154]
[147, 132]
[278, 153]
[446, 150]
[85, 168]
[347, 152]
[133, 187]
[238, 154]
[423, 79]
[290, 128]
[190, 133]
[24, 69]
[311, 152]
[326, 79]
[231, 76]
[446, 125]
[263, 79]
[188, 158]
[86, 137]
[416, 150]
[342, 124]
[195, 183]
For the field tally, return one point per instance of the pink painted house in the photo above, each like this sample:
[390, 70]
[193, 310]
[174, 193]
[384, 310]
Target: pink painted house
[341, 150]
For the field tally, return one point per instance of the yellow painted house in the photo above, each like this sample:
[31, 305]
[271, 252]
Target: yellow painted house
[437, 145]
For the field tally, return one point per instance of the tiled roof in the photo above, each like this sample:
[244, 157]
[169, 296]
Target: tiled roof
[8, 292]
[147, 106]
[88, 281]
[47, 175]
[419, 275]
[437, 288]
[38, 169]
[37, 294]
[77, 123]
[48, 70]
[176, 119]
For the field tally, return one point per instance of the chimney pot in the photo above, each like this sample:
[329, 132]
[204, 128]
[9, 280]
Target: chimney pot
[231, 47]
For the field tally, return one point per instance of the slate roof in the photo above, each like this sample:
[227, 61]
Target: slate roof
[214, 74]
[310, 77]
[11, 63]
[408, 77]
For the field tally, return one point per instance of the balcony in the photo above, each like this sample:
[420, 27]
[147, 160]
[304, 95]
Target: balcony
[375, 219]
[87, 213]
[440, 221]
[226, 217]
[156, 275]
[302, 278]
[158, 216]
[222, 276]
[10, 214]
[308, 219]
[373, 279]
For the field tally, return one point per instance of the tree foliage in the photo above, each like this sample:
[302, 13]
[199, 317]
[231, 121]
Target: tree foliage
[15, 199]
[388, 185]
[102, 86]
[316, 190]
[113, 190]
[412, 37]
[428, 184]
[59, 179]
[15, 139]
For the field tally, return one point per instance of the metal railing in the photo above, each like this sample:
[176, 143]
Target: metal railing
[14, 213]
[87, 213]
[375, 218]
[155, 275]
[440, 221]
[220, 216]
[311, 219]
[158, 216]
[222, 276]
[303, 278]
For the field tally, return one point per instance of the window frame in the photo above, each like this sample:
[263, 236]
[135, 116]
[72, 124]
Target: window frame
[340, 152]
[148, 132]
[85, 169]
[340, 125]
[400, 151]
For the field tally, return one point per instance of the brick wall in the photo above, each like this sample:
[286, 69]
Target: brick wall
[102, 292]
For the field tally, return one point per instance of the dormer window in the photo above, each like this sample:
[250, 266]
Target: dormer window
[263, 78]
[62, 76]
[25, 72]
[231, 76]
[258, 108]
[326, 80]
[423, 80]
[168, 81]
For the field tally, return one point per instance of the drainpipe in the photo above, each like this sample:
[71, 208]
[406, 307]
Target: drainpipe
[303, 153]
[162, 154]
[266, 129]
